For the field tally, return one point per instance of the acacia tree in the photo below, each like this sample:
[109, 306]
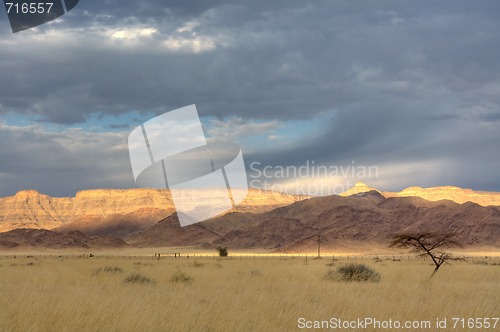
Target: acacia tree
[428, 243]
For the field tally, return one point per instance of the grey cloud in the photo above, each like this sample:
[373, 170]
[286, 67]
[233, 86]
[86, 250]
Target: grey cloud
[62, 163]
[491, 117]
[387, 135]
[270, 61]
[443, 117]
[406, 80]
[114, 126]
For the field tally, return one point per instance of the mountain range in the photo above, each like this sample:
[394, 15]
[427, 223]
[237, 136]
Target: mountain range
[94, 210]
[455, 194]
[359, 219]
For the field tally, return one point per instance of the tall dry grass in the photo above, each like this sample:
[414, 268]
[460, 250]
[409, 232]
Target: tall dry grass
[230, 294]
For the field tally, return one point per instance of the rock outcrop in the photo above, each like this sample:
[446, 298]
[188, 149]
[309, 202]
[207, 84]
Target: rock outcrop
[455, 194]
[31, 209]
[360, 222]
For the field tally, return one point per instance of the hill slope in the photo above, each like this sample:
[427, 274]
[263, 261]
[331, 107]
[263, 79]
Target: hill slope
[455, 194]
[360, 221]
[363, 220]
[42, 238]
[114, 212]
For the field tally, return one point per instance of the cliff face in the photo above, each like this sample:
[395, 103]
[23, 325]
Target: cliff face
[265, 220]
[455, 194]
[357, 189]
[31, 209]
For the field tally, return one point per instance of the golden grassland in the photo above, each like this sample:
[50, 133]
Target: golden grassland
[61, 292]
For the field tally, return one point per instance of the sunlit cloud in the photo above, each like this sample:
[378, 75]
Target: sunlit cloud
[133, 33]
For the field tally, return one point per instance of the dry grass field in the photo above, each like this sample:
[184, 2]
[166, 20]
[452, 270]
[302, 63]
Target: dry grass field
[69, 293]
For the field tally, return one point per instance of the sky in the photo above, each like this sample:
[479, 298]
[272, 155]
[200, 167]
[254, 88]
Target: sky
[411, 89]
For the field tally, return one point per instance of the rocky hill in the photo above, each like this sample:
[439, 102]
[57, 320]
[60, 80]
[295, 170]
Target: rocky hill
[42, 238]
[117, 212]
[455, 194]
[344, 223]
[265, 220]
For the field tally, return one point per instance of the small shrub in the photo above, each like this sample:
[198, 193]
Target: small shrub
[352, 272]
[197, 264]
[112, 269]
[143, 264]
[108, 269]
[139, 279]
[481, 263]
[222, 251]
[255, 273]
[181, 277]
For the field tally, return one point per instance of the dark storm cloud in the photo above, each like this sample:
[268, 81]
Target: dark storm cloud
[408, 83]
[267, 60]
[491, 117]
[283, 60]
[62, 163]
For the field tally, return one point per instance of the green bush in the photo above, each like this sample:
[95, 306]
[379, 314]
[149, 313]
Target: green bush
[352, 272]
